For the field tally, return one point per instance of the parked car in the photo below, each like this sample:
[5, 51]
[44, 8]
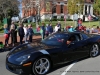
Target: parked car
[95, 18]
[62, 47]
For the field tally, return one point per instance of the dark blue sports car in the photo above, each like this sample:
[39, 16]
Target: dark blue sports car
[58, 48]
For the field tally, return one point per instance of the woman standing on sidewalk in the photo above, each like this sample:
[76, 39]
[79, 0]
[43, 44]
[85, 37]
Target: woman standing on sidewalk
[25, 31]
[6, 34]
[13, 34]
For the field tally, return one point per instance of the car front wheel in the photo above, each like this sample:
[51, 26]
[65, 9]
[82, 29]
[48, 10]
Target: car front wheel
[41, 66]
[94, 50]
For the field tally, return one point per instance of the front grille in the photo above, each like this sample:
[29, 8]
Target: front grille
[14, 68]
[12, 65]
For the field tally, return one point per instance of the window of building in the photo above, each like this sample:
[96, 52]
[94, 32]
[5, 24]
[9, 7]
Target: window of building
[92, 0]
[89, 9]
[62, 17]
[55, 17]
[61, 8]
[85, 9]
[54, 9]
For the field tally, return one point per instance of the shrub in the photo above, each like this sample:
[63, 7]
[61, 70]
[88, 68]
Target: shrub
[69, 20]
[54, 19]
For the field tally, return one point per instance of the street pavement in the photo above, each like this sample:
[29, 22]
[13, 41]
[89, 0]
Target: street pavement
[86, 66]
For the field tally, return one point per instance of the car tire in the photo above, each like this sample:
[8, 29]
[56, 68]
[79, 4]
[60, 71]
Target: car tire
[94, 50]
[41, 66]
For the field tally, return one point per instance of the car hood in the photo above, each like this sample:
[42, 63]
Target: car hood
[30, 48]
[26, 49]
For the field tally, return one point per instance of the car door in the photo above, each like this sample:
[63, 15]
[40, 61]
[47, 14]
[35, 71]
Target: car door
[81, 46]
[75, 50]
[69, 50]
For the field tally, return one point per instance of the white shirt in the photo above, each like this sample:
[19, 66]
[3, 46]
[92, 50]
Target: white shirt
[25, 30]
[56, 28]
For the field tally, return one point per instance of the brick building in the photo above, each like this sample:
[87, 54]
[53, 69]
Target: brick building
[56, 11]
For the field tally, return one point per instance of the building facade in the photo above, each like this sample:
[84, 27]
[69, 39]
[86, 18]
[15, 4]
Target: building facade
[53, 8]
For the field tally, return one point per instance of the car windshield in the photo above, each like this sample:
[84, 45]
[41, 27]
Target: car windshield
[55, 39]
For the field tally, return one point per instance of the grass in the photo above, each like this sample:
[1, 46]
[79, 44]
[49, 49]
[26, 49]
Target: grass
[63, 23]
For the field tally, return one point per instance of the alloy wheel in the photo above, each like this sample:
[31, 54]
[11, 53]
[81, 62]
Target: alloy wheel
[42, 66]
[95, 50]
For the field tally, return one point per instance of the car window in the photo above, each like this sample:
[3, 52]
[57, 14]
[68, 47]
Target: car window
[78, 37]
[56, 39]
[85, 36]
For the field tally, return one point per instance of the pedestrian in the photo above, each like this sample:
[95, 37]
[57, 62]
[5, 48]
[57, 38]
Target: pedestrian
[15, 27]
[50, 29]
[47, 30]
[38, 28]
[13, 35]
[71, 29]
[30, 33]
[21, 32]
[42, 31]
[50, 19]
[59, 24]
[57, 28]
[25, 31]
[6, 34]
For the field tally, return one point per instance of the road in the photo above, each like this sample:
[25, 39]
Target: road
[86, 66]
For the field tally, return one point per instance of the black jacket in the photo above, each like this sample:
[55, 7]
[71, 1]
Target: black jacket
[21, 31]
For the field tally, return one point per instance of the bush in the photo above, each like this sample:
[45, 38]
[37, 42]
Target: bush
[46, 20]
[69, 20]
[54, 19]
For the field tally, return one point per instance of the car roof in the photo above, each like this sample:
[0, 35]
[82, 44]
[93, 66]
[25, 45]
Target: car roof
[67, 32]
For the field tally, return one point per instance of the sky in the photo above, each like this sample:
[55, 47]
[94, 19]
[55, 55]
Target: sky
[20, 8]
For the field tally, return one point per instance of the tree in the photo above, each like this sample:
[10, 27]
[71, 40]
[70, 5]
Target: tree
[37, 5]
[75, 6]
[8, 8]
[96, 7]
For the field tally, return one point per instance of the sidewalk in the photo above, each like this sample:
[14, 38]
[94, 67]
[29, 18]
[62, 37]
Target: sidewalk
[3, 39]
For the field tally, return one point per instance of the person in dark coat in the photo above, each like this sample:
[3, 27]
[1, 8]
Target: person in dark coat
[50, 29]
[21, 32]
[30, 32]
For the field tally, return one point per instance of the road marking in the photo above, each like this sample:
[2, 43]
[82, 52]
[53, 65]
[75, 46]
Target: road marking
[69, 67]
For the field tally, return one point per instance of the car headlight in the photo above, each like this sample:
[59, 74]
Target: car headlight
[23, 58]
